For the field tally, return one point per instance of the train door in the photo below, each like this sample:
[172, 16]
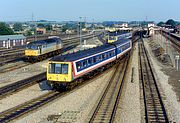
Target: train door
[58, 44]
[40, 50]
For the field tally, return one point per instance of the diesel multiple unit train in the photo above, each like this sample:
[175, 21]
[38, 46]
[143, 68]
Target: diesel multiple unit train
[39, 50]
[114, 36]
[71, 68]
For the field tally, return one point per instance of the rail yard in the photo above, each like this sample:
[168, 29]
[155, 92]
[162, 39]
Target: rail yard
[127, 87]
[89, 62]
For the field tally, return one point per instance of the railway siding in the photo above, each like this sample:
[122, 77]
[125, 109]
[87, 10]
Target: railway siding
[154, 107]
[17, 86]
[167, 85]
[107, 105]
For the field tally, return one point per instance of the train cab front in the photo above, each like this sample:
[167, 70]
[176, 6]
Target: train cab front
[59, 73]
[31, 50]
[112, 39]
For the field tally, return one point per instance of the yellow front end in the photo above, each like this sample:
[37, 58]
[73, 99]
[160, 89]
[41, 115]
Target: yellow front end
[31, 52]
[59, 72]
[112, 39]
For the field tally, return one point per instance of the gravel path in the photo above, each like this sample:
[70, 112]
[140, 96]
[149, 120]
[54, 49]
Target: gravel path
[171, 102]
[129, 107]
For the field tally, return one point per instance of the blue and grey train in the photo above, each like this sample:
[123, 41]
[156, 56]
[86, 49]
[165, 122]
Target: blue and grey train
[116, 36]
[39, 50]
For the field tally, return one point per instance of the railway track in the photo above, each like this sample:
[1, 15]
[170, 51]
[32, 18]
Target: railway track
[107, 106]
[175, 41]
[19, 110]
[153, 104]
[9, 51]
[17, 86]
[13, 66]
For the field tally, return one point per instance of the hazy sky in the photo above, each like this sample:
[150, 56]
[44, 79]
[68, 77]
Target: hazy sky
[100, 10]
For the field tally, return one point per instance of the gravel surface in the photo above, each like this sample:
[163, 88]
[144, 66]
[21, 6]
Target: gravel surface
[171, 103]
[129, 107]
[22, 73]
[167, 45]
[23, 96]
[74, 107]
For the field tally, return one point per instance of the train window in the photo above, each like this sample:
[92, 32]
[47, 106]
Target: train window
[33, 47]
[103, 56]
[97, 58]
[78, 64]
[84, 63]
[107, 55]
[89, 61]
[113, 52]
[100, 57]
[57, 68]
[64, 68]
[110, 54]
[94, 59]
[52, 68]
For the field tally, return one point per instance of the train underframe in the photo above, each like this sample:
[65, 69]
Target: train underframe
[42, 57]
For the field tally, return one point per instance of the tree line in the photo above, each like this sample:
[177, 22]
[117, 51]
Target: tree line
[170, 22]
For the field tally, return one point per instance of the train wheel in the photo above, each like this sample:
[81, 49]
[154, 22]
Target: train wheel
[45, 56]
[70, 86]
[79, 80]
[40, 58]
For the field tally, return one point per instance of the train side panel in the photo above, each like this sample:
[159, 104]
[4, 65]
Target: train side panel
[122, 49]
[88, 64]
[50, 48]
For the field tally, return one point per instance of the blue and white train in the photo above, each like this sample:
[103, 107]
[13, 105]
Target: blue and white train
[69, 68]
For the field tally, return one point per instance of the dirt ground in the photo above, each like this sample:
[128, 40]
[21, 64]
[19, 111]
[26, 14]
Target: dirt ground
[171, 71]
[174, 79]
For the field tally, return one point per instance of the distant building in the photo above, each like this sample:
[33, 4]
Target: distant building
[8, 41]
[69, 31]
[123, 25]
[151, 28]
[151, 25]
[40, 31]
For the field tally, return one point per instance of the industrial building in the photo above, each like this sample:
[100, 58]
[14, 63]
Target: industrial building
[8, 41]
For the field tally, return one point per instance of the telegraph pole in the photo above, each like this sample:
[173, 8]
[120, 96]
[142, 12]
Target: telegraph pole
[93, 28]
[80, 32]
[34, 23]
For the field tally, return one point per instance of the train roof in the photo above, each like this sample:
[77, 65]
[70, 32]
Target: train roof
[46, 41]
[117, 33]
[121, 41]
[85, 53]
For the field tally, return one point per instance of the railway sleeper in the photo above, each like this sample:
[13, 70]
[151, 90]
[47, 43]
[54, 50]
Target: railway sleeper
[154, 120]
